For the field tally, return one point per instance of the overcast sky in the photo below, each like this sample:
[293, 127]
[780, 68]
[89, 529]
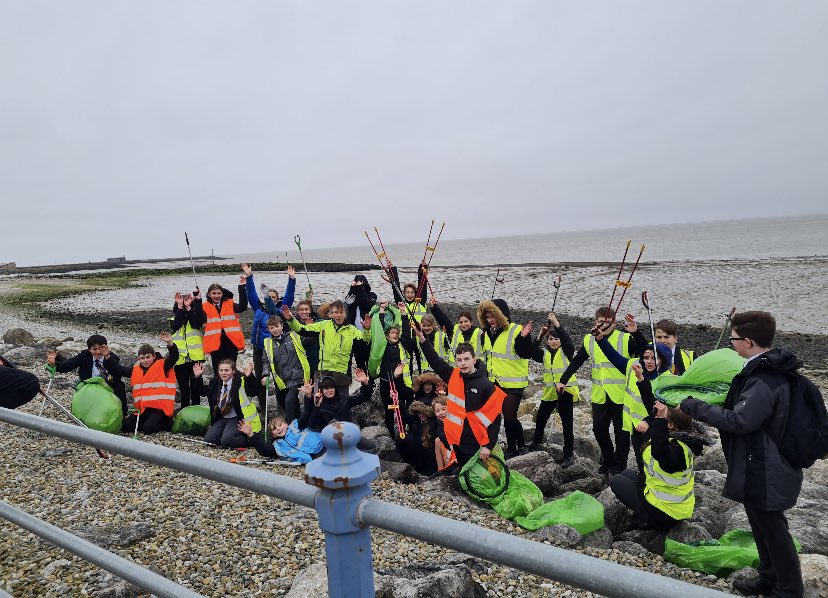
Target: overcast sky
[123, 124]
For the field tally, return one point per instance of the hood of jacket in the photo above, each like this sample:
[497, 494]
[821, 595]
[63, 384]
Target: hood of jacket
[418, 407]
[498, 308]
[665, 359]
[427, 376]
[694, 439]
[778, 359]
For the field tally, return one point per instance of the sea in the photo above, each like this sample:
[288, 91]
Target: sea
[693, 273]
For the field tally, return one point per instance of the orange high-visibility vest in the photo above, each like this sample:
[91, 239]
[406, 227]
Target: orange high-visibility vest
[478, 420]
[153, 388]
[216, 322]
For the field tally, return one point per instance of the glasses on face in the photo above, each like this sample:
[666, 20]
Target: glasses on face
[733, 339]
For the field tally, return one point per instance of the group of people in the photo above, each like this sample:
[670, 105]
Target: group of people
[447, 387]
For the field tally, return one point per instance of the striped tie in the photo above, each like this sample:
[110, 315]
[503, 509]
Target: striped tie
[224, 400]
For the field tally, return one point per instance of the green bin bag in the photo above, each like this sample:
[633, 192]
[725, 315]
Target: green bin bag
[578, 510]
[378, 340]
[708, 379]
[95, 404]
[509, 493]
[734, 550]
[193, 420]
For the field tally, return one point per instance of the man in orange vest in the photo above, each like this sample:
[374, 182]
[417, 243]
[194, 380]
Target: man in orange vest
[472, 422]
[153, 388]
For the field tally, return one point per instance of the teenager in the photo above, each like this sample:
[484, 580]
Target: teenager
[289, 442]
[310, 340]
[417, 448]
[395, 373]
[188, 338]
[426, 387]
[223, 338]
[666, 332]
[359, 302]
[17, 387]
[95, 361]
[464, 331]
[288, 365]
[153, 389]
[229, 395]
[327, 405]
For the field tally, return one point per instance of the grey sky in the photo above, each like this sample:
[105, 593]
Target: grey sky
[122, 124]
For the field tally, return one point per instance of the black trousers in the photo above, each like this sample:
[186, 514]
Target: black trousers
[288, 400]
[258, 360]
[362, 351]
[511, 423]
[603, 415]
[627, 486]
[423, 460]
[151, 421]
[778, 561]
[226, 350]
[188, 384]
[637, 441]
[564, 407]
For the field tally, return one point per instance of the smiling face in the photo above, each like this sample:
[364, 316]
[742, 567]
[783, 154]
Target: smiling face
[427, 327]
[275, 328]
[328, 392]
[440, 411]
[465, 362]
[428, 388]
[337, 315]
[215, 295]
[303, 312]
[279, 429]
[410, 293]
[97, 351]
[393, 335]
[464, 323]
[225, 372]
[491, 319]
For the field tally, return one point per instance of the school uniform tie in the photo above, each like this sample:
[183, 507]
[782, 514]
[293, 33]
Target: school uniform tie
[102, 370]
[224, 399]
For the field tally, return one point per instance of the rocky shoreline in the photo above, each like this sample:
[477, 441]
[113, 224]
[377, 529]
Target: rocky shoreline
[221, 541]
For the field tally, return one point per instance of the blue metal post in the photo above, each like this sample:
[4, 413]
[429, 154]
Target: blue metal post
[344, 474]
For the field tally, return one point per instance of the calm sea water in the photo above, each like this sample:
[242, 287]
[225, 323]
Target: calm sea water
[726, 240]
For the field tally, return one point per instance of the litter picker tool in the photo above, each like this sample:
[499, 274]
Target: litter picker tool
[298, 240]
[102, 454]
[388, 268]
[192, 264]
[497, 279]
[51, 371]
[427, 264]
[645, 299]
[137, 419]
[726, 327]
[557, 284]
[625, 284]
[395, 406]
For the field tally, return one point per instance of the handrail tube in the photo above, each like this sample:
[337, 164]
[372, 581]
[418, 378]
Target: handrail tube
[4, 595]
[123, 568]
[568, 567]
[277, 486]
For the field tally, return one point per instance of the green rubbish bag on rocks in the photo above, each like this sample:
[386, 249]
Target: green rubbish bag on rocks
[708, 379]
[578, 510]
[391, 318]
[95, 404]
[193, 420]
[509, 493]
[733, 551]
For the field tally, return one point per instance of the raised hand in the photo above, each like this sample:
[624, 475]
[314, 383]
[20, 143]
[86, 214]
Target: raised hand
[166, 337]
[242, 280]
[630, 324]
[398, 371]
[360, 376]
[179, 300]
[248, 369]
[188, 301]
[527, 329]
[288, 315]
[660, 410]
[307, 388]
[247, 269]
[51, 356]
[291, 272]
[401, 306]
[105, 351]
[198, 369]
[639, 371]
[553, 318]
[366, 322]
[432, 300]
[245, 428]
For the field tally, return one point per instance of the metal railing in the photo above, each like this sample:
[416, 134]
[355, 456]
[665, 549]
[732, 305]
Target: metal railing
[338, 487]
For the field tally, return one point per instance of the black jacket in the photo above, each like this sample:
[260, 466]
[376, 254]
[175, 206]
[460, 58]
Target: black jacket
[252, 387]
[753, 415]
[567, 346]
[478, 389]
[83, 363]
[670, 455]
[201, 316]
[17, 387]
[336, 409]
[359, 296]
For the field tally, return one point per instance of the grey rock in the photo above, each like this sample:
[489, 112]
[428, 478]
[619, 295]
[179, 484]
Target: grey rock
[631, 548]
[688, 531]
[617, 517]
[814, 574]
[528, 463]
[459, 558]
[590, 485]
[711, 507]
[600, 538]
[57, 452]
[386, 449]
[49, 342]
[400, 472]
[743, 574]
[581, 469]
[562, 535]
[374, 432]
[712, 459]
[19, 336]
[652, 540]
[112, 536]
[312, 582]
[110, 586]
[428, 580]
[548, 478]
[806, 522]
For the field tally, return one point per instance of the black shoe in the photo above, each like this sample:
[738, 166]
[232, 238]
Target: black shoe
[616, 469]
[753, 587]
[535, 446]
[605, 467]
[509, 453]
[568, 461]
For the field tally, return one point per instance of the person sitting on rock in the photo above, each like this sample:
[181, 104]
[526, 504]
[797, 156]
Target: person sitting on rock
[17, 387]
[153, 389]
[290, 442]
[425, 387]
[230, 396]
[325, 404]
[95, 361]
[417, 448]
[443, 454]
[666, 494]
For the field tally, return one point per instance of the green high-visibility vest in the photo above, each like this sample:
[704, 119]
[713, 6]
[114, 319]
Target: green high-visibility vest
[300, 353]
[249, 412]
[404, 359]
[189, 342]
[553, 369]
[418, 310]
[670, 492]
[439, 346]
[634, 409]
[335, 343]
[476, 341]
[506, 369]
[606, 380]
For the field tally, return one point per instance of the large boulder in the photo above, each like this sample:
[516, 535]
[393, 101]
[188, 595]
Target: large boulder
[600, 538]
[559, 534]
[400, 472]
[712, 459]
[687, 532]
[115, 536]
[651, 540]
[806, 522]
[711, 507]
[814, 574]
[386, 450]
[539, 467]
[617, 517]
[374, 432]
[19, 336]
